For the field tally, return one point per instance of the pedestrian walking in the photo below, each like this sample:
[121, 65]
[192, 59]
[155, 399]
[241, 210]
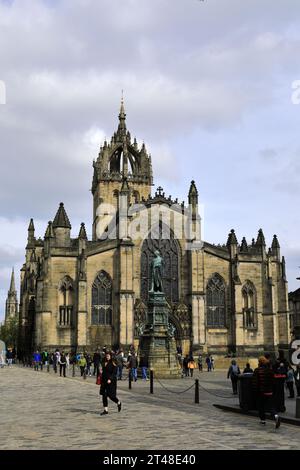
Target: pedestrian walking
[191, 366]
[208, 363]
[9, 357]
[62, 364]
[233, 374]
[45, 358]
[297, 379]
[89, 362]
[200, 363]
[290, 381]
[37, 360]
[108, 387]
[185, 366]
[263, 382]
[132, 365]
[120, 364]
[82, 364]
[144, 366]
[212, 361]
[96, 362]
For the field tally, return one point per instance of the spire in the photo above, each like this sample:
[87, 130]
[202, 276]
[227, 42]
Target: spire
[232, 240]
[260, 241]
[193, 193]
[275, 243]
[122, 118]
[61, 219]
[276, 248]
[31, 226]
[12, 288]
[244, 246]
[82, 232]
[49, 232]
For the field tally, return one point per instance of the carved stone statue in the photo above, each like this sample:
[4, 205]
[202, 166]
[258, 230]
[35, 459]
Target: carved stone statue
[156, 273]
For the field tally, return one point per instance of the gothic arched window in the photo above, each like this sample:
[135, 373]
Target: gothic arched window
[249, 302]
[65, 300]
[102, 299]
[215, 300]
[169, 250]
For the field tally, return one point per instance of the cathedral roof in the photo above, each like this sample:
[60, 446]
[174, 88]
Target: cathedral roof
[61, 219]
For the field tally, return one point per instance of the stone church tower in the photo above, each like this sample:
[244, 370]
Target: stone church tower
[79, 294]
[11, 305]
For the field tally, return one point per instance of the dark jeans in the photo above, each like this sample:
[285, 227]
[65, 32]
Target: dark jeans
[82, 370]
[62, 368]
[298, 388]
[191, 372]
[265, 402]
[110, 395]
[96, 370]
[290, 386]
[234, 382]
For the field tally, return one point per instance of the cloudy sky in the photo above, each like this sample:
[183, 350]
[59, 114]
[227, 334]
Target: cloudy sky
[207, 86]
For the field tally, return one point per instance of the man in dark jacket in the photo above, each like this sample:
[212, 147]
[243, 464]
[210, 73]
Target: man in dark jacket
[132, 365]
[263, 382]
[96, 361]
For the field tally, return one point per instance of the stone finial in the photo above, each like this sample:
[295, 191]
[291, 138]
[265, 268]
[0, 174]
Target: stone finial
[232, 240]
[61, 219]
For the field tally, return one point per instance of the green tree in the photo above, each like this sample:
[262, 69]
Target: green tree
[9, 333]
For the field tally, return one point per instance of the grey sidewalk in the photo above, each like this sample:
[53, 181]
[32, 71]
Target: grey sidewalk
[44, 411]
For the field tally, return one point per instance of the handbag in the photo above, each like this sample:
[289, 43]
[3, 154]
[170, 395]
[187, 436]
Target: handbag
[98, 381]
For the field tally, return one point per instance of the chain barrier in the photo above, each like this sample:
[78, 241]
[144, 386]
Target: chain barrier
[173, 391]
[213, 393]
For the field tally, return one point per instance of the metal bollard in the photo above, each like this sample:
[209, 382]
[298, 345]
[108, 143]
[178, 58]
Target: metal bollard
[129, 379]
[197, 391]
[84, 374]
[151, 381]
[298, 407]
[73, 370]
[48, 368]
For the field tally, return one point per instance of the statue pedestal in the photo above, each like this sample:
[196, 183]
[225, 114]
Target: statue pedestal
[156, 344]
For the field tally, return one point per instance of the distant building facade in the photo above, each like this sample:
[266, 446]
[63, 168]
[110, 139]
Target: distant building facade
[78, 293]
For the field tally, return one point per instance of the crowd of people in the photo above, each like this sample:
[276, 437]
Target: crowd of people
[267, 382]
[188, 363]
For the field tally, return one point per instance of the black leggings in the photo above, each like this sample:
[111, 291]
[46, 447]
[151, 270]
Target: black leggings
[111, 395]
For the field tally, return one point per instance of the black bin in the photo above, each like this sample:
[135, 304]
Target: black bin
[245, 391]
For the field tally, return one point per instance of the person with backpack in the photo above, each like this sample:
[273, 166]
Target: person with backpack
[62, 364]
[233, 373]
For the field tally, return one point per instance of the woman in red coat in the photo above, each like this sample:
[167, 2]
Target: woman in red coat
[108, 386]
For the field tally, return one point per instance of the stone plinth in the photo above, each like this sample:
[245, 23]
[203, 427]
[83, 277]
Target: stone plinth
[157, 346]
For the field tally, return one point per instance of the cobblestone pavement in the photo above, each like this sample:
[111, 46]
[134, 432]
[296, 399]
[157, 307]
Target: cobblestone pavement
[41, 410]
